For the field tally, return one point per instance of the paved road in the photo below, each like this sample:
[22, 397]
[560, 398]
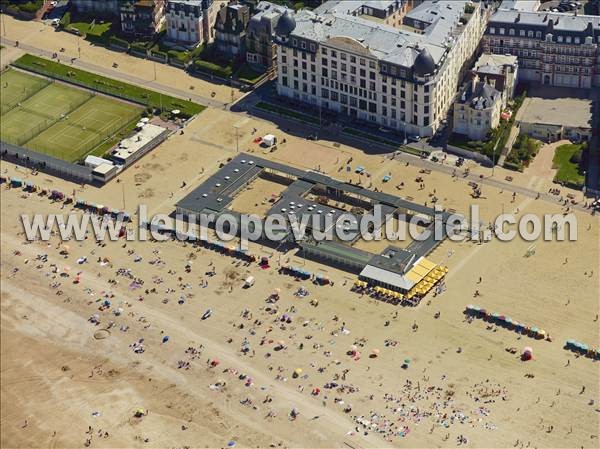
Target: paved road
[244, 107]
[119, 75]
[332, 133]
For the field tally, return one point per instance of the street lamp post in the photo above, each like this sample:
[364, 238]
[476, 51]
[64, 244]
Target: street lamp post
[237, 139]
[493, 161]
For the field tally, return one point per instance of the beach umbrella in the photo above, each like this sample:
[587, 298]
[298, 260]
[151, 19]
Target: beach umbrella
[407, 360]
[583, 347]
[374, 353]
[231, 443]
[214, 362]
[501, 318]
[297, 372]
[165, 339]
[534, 330]
[470, 307]
[527, 353]
[570, 342]
[542, 333]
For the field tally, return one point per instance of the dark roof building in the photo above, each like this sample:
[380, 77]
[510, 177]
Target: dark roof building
[261, 50]
[390, 268]
[142, 18]
[230, 29]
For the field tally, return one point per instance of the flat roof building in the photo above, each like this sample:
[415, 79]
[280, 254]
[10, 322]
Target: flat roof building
[302, 201]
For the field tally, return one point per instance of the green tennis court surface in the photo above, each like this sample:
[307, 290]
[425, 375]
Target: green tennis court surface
[17, 87]
[59, 120]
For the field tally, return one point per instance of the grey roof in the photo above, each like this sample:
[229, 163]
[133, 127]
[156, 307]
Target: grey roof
[382, 275]
[351, 6]
[185, 2]
[384, 42]
[521, 5]
[244, 167]
[541, 19]
[494, 64]
[266, 16]
[432, 11]
[479, 95]
[424, 63]
[285, 24]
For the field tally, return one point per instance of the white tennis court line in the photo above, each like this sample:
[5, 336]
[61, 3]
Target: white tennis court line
[64, 134]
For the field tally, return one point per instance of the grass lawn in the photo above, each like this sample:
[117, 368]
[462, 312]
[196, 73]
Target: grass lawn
[17, 87]
[247, 74]
[31, 6]
[95, 122]
[63, 121]
[40, 111]
[290, 113]
[223, 71]
[566, 160]
[107, 85]
[94, 32]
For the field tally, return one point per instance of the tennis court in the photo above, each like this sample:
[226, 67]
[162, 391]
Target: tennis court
[17, 87]
[40, 111]
[73, 136]
[57, 119]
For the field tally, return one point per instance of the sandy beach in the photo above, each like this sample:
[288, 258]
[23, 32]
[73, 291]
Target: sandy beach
[97, 333]
[480, 395]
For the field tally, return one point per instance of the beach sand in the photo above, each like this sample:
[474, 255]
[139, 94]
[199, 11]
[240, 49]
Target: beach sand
[52, 362]
[60, 376]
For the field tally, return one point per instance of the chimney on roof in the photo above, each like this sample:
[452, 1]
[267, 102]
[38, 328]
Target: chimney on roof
[518, 19]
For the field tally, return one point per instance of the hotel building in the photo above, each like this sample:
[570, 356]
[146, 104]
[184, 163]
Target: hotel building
[403, 77]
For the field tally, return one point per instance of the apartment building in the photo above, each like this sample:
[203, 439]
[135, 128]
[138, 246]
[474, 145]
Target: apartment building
[142, 18]
[557, 49]
[261, 50]
[190, 22]
[478, 109]
[230, 29]
[369, 71]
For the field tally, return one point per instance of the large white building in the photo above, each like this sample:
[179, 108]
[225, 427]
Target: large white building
[557, 49]
[404, 79]
[190, 22]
